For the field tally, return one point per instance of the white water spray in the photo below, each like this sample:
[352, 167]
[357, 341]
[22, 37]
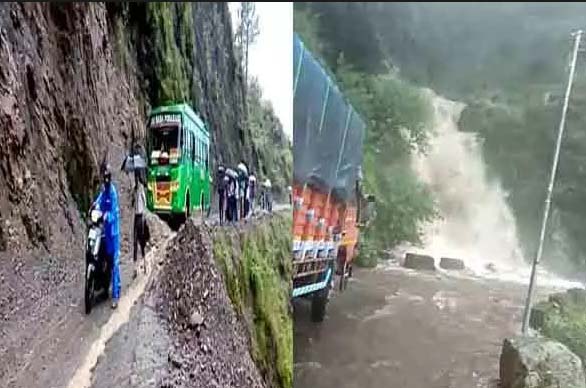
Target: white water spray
[476, 224]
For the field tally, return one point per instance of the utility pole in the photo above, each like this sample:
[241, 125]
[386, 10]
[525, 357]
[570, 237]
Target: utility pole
[527, 313]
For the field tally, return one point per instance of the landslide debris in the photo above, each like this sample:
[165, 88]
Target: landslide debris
[210, 344]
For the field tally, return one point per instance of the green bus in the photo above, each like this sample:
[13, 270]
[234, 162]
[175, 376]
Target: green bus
[178, 149]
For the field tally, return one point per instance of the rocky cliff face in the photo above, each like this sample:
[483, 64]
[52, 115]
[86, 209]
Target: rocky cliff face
[64, 105]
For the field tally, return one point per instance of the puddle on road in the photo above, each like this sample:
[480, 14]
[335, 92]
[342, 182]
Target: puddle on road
[83, 375]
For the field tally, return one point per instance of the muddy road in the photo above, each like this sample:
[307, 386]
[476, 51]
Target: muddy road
[395, 327]
[58, 345]
[54, 343]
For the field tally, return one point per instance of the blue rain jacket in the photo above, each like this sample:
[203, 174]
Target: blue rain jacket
[107, 201]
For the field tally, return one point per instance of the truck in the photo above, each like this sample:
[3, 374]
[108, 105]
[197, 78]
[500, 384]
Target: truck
[327, 194]
[178, 150]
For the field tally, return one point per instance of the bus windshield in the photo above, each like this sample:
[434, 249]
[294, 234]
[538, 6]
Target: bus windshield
[164, 138]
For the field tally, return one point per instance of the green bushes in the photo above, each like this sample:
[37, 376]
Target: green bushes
[257, 267]
[563, 318]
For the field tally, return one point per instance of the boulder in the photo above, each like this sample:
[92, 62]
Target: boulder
[415, 261]
[450, 263]
[532, 362]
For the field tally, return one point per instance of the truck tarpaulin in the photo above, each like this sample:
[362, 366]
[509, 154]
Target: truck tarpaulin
[329, 141]
[350, 158]
[327, 132]
[310, 88]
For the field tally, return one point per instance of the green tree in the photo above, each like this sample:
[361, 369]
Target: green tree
[246, 32]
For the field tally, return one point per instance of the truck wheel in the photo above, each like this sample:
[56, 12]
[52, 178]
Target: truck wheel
[318, 304]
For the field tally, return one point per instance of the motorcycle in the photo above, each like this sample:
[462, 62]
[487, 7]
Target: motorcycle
[97, 267]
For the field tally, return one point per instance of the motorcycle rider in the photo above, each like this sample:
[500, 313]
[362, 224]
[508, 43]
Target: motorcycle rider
[107, 202]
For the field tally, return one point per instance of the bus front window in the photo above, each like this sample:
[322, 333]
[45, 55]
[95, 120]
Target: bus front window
[164, 143]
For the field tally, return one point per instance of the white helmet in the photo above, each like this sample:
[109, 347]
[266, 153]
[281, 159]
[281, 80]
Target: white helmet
[242, 168]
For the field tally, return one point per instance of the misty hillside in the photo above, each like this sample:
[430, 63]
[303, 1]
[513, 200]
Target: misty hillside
[455, 48]
[508, 62]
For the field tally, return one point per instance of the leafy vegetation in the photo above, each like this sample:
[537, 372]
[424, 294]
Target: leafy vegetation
[268, 141]
[257, 271]
[563, 318]
[169, 64]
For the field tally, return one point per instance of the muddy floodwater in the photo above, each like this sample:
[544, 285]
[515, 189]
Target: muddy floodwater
[394, 327]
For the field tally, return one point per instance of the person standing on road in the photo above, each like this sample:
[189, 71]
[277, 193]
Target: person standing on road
[107, 202]
[226, 195]
[140, 235]
[267, 196]
[243, 188]
[251, 193]
[221, 189]
[232, 194]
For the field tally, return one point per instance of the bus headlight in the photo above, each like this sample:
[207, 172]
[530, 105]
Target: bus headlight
[174, 185]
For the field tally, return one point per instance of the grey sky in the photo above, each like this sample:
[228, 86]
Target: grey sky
[271, 57]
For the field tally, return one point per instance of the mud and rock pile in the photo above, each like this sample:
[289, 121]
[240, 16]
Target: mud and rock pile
[210, 345]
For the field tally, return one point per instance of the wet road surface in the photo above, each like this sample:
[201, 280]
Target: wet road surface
[407, 329]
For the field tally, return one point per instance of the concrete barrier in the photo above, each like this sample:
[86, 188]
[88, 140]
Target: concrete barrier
[451, 263]
[416, 261]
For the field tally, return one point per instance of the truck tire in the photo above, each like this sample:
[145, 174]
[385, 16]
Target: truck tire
[319, 302]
